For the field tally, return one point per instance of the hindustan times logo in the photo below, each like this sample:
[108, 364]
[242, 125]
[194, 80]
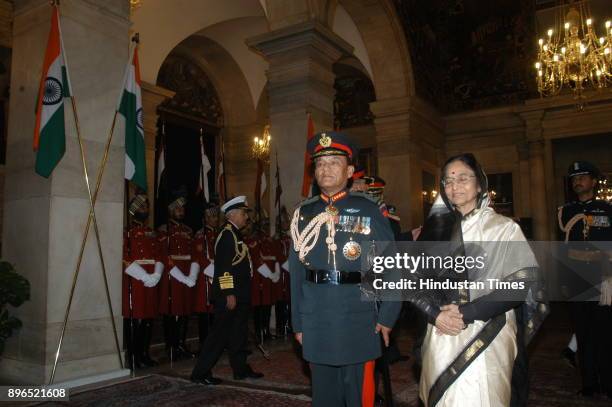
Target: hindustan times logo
[422, 262]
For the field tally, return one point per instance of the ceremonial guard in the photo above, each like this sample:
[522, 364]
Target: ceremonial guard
[231, 299]
[331, 232]
[204, 254]
[263, 257]
[281, 291]
[180, 276]
[590, 220]
[143, 270]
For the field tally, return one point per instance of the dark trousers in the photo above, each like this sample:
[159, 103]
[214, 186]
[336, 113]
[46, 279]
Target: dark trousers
[337, 386]
[230, 328]
[283, 318]
[520, 370]
[205, 322]
[593, 325]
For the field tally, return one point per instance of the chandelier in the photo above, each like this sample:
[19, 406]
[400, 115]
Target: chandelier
[572, 56]
[261, 145]
[604, 192]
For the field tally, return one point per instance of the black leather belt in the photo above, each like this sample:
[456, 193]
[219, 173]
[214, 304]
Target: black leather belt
[333, 277]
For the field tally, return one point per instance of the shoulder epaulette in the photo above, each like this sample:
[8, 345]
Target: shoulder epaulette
[309, 200]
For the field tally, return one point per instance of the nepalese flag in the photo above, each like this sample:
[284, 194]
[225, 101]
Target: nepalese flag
[50, 130]
[130, 107]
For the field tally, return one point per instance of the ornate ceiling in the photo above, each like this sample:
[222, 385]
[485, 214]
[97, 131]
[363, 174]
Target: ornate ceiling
[470, 54]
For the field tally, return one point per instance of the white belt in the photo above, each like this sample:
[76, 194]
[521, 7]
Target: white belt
[180, 257]
[145, 261]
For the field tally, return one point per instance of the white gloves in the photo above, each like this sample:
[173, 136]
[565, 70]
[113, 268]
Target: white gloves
[190, 280]
[277, 273]
[155, 277]
[210, 270]
[265, 271]
[136, 271]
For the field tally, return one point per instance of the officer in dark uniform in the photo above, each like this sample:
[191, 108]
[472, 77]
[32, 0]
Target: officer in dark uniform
[231, 297]
[589, 220]
[331, 232]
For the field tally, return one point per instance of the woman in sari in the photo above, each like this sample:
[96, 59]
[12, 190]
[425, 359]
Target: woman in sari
[470, 345]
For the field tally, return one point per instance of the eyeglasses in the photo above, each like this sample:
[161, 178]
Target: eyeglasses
[461, 180]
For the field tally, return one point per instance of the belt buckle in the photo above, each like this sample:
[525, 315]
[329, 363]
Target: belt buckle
[333, 277]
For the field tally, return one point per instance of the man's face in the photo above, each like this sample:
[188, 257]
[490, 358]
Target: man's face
[178, 213]
[332, 172]
[239, 217]
[359, 185]
[583, 183]
[212, 219]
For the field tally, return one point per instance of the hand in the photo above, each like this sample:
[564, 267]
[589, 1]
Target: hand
[298, 337]
[230, 303]
[385, 333]
[416, 232]
[449, 321]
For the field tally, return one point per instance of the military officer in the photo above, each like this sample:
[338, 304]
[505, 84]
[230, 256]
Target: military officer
[339, 332]
[180, 276]
[204, 254]
[231, 299]
[281, 291]
[143, 269]
[588, 220]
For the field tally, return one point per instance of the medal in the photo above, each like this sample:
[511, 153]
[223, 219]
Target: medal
[351, 250]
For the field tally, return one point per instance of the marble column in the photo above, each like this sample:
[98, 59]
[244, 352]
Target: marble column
[152, 97]
[536, 144]
[44, 219]
[300, 81]
[399, 158]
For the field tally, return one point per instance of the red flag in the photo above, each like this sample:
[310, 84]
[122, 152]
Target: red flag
[307, 180]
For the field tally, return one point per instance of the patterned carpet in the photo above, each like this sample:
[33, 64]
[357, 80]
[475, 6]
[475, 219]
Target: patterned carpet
[553, 382]
[156, 390]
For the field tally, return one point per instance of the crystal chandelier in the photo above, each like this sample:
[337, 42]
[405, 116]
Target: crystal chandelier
[134, 4]
[604, 192]
[572, 56]
[261, 145]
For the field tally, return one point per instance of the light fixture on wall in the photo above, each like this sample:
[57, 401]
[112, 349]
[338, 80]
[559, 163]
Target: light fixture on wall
[572, 56]
[604, 190]
[429, 196]
[261, 145]
[134, 4]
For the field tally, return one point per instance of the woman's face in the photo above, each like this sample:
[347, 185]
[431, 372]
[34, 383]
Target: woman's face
[461, 186]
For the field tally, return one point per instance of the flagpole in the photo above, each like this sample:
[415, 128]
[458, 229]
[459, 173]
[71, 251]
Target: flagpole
[223, 161]
[91, 217]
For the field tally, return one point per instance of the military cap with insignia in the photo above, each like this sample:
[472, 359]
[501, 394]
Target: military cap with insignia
[332, 143]
[239, 202]
[582, 168]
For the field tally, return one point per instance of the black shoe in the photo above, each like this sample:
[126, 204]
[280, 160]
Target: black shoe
[248, 374]
[207, 381]
[180, 352]
[569, 356]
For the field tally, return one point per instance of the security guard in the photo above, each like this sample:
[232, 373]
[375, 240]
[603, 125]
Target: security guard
[143, 269]
[231, 299]
[588, 220]
[179, 278]
[204, 255]
[331, 233]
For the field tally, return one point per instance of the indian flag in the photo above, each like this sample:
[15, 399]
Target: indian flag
[130, 107]
[49, 130]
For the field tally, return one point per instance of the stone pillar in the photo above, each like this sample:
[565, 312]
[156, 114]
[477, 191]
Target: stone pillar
[399, 159]
[300, 81]
[44, 219]
[152, 97]
[539, 207]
